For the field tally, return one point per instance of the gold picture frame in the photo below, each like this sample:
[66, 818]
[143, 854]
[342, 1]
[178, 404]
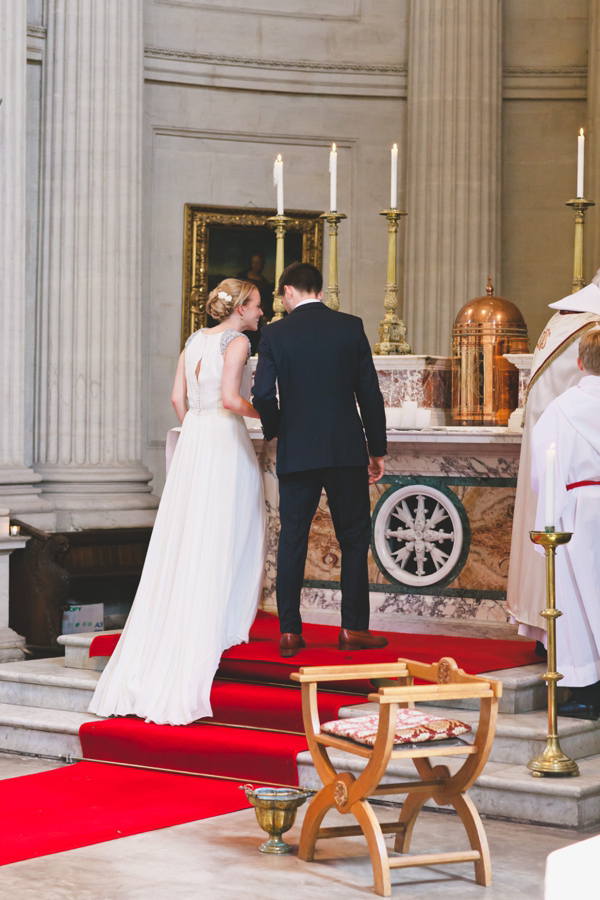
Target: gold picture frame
[230, 232]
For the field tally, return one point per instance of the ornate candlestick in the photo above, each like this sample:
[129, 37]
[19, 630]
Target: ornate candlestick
[332, 294]
[280, 224]
[551, 761]
[579, 207]
[392, 331]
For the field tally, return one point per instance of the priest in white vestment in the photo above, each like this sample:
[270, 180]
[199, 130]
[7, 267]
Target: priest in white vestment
[554, 369]
[572, 424]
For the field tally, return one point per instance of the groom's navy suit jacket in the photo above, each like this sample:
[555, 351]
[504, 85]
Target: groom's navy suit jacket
[324, 365]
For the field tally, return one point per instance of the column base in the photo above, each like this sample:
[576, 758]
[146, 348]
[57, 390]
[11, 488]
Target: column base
[12, 646]
[99, 496]
[20, 491]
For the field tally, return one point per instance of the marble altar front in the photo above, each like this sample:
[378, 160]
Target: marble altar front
[467, 475]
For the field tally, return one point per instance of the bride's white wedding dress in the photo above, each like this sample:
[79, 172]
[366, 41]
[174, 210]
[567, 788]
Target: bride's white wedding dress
[202, 578]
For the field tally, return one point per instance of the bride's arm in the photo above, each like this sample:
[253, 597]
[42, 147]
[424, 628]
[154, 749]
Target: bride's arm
[233, 369]
[178, 397]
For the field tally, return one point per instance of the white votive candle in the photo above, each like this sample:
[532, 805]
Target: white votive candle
[278, 182]
[394, 185]
[550, 462]
[15, 530]
[580, 155]
[333, 179]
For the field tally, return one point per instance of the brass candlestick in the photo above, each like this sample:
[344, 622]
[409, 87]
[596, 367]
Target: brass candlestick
[332, 294]
[551, 761]
[280, 224]
[579, 207]
[392, 331]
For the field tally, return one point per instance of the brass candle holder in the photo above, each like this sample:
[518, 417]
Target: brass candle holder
[392, 331]
[280, 224]
[552, 760]
[579, 206]
[332, 294]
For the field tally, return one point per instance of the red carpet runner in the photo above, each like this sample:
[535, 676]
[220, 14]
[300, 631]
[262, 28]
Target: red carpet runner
[99, 802]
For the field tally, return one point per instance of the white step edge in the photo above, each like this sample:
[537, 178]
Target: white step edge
[41, 732]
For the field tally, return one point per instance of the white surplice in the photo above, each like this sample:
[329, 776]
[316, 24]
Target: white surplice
[572, 422]
[554, 369]
[203, 573]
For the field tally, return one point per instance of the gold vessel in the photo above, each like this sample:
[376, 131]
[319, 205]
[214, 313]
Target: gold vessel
[485, 386]
[276, 813]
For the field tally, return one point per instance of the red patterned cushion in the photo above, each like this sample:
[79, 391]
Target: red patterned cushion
[413, 726]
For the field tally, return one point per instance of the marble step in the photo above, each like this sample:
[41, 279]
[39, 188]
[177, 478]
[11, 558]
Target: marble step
[518, 737]
[47, 684]
[501, 791]
[41, 732]
[523, 687]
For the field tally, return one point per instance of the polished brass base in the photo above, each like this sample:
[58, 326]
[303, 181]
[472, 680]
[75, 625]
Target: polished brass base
[392, 331]
[280, 224]
[552, 760]
[332, 294]
[579, 206]
[276, 813]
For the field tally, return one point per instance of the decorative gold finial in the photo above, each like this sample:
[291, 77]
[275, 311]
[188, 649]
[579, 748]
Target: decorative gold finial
[490, 288]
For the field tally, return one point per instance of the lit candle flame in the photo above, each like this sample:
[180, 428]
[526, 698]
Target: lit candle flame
[581, 131]
[333, 148]
[395, 147]
[279, 157]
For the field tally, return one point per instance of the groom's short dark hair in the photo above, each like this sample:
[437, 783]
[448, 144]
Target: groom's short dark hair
[305, 278]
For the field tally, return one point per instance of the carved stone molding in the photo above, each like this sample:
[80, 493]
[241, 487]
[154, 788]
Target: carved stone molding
[554, 82]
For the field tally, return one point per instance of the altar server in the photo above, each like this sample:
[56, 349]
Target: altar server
[554, 369]
[572, 424]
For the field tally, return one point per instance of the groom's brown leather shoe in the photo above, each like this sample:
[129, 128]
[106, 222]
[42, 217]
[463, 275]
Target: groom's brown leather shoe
[289, 643]
[360, 640]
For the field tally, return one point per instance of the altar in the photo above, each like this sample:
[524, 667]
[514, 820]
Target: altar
[449, 487]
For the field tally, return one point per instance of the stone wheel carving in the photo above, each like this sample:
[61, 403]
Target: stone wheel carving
[418, 535]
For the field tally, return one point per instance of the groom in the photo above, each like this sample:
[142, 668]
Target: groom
[323, 365]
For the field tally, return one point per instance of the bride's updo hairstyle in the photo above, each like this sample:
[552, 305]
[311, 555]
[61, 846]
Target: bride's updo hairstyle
[227, 296]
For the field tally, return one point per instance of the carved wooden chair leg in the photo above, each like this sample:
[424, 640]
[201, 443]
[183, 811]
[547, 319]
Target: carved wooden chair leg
[371, 828]
[319, 807]
[411, 808]
[471, 819]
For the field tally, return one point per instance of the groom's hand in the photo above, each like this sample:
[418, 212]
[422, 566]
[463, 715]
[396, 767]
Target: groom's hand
[376, 468]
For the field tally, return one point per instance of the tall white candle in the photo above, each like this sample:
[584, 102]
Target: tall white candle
[550, 461]
[278, 182]
[394, 185]
[333, 179]
[580, 152]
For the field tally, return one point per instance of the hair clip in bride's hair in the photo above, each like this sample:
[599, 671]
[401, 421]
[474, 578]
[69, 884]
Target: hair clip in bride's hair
[223, 295]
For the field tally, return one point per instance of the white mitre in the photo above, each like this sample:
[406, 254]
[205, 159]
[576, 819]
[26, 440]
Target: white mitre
[585, 300]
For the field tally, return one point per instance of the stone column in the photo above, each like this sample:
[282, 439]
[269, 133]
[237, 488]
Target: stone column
[453, 163]
[591, 258]
[87, 441]
[18, 484]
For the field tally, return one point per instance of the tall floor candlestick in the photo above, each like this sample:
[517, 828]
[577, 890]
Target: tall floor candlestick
[280, 223]
[392, 331]
[579, 207]
[332, 294]
[552, 760]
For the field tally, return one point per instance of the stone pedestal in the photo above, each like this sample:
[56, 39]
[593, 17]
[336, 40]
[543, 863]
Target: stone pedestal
[88, 402]
[19, 488]
[453, 163]
[12, 645]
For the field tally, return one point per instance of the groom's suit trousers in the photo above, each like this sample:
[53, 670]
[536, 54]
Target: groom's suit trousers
[347, 489]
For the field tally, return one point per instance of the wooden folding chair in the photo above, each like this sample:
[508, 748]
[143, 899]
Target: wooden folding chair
[349, 794]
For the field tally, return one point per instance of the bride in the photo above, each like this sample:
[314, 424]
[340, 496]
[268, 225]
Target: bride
[202, 577]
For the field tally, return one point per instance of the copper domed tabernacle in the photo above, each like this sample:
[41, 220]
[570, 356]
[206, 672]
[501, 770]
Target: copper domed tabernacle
[485, 386]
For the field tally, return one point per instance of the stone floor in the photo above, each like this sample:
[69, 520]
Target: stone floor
[217, 858]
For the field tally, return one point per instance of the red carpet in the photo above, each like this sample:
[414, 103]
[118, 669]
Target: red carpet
[89, 803]
[260, 658]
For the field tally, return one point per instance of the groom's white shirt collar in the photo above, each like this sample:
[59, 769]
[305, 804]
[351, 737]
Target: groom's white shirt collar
[310, 300]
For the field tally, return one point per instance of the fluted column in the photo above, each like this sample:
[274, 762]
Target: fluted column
[18, 484]
[453, 163]
[88, 391]
[591, 257]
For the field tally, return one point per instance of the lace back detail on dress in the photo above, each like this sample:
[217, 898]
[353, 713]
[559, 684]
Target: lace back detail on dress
[230, 335]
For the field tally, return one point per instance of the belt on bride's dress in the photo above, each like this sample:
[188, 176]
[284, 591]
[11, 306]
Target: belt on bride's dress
[217, 411]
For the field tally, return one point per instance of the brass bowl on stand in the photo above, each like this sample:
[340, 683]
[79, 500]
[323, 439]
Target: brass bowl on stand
[276, 813]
